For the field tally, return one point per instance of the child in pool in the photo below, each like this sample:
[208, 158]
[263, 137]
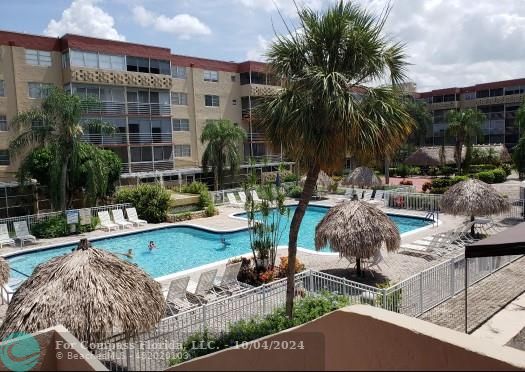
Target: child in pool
[151, 245]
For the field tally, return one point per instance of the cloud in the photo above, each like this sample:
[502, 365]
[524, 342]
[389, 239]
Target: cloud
[183, 25]
[84, 17]
[287, 7]
[257, 52]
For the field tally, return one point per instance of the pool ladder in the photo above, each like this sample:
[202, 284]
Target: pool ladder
[434, 216]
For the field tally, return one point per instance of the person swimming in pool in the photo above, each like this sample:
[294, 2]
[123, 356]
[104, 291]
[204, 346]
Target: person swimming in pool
[151, 245]
[224, 242]
[129, 254]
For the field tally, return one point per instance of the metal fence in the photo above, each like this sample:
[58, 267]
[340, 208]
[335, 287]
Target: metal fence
[36, 218]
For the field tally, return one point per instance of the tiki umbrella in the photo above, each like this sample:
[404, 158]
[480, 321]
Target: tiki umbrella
[91, 292]
[362, 177]
[473, 198]
[4, 271]
[323, 180]
[356, 229]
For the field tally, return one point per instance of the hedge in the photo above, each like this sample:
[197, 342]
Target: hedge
[150, 200]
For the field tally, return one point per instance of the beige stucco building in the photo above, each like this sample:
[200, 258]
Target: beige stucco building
[159, 102]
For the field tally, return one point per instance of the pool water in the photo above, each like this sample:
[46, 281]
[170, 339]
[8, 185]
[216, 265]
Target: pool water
[181, 248]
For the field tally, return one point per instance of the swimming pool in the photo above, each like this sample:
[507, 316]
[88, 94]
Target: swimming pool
[182, 247]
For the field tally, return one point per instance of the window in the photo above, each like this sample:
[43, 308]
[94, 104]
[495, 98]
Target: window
[258, 78]
[2, 88]
[38, 58]
[211, 101]
[469, 96]
[141, 154]
[211, 76]
[4, 157]
[496, 92]
[181, 125]
[514, 90]
[182, 151]
[3, 124]
[38, 90]
[178, 72]
[179, 98]
[97, 60]
[245, 78]
[162, 153]
[482, 93]
[153, 66]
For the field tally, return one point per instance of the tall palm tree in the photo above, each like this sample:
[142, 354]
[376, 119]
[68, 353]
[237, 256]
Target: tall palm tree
[324, 111]
[222, 149]
[58, 123]
[422, 118]
[465, 125]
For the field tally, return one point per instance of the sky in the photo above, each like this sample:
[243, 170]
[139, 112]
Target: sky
[448, 42]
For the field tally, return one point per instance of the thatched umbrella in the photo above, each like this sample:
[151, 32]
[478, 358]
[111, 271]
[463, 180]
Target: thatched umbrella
[362, 177]
[323, 180]
[91, 292]
[473, 198]
[4, 271]
[356, 229]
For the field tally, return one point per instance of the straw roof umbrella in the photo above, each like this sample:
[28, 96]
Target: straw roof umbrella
[362, 176]
[473, 198]
[323, 180]
[92, 292]
[356, 229]
[4, 271]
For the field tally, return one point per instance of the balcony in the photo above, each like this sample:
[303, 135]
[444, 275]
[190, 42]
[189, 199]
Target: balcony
[256, 137]
[147, 166]
[444, 105]
[258, 90]
[134, 138]
[106, 108]
[511, 98]
[109, 77]
[149, 109]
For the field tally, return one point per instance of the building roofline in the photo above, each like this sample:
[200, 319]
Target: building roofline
[474, 88]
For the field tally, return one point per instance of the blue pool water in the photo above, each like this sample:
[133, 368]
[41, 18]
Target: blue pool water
[180, 248]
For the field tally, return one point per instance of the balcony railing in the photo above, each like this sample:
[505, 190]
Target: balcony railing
[134, 138]
[106, 108]
[153, 109]
[147, 166]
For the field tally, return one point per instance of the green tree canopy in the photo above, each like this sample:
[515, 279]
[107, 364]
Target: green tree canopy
[464, 125]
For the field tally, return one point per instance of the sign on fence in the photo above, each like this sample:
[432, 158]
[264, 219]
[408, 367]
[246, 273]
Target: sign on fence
[72, 217]
[85, 216]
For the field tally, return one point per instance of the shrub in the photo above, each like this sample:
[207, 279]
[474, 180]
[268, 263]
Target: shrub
[91, 227]
[403, 170]
[440, 183]
[507, 168]
[295, 192]
[439, 190]
[499, 175]
[481, 168]
[194, 188]
[267, 276]
[446, 171]
[283, 266]
[487, 176]
[305, 310]
[426, 186]
[247, 273]
[391, 301]
[151, 201]
[415, 171]
[290, 177]
[457, 179]
[406, 182]
[52, 228]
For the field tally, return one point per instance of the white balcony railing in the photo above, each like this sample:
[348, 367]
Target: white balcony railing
[153, 109]
[122, 138]
[147, 166]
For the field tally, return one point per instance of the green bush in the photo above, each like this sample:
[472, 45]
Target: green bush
[150, 200]
[440, 183]
[291, 177]
[295, 192]
[438, 190]
[446, 171]
[499, 175]
[507, 168]
[52, 228]
[305, 310]
[403, 170]
[481, 168]
[87, 228]
[415, 171]
[205, 201]
[391, 301]
[194, 188]
[487, 176]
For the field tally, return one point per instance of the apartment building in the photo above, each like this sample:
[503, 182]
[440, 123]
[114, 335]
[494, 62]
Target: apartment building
[158, 102]
[498, 100]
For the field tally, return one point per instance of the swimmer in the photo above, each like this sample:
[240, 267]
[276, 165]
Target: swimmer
[129, 254]
[151, 245]
[224, 242]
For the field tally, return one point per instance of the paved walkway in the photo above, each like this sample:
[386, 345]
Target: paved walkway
[485, 298]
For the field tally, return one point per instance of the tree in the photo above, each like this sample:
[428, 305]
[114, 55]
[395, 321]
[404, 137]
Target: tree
[419, 113]
[323, 111]
[518, 154]
[222, 140]
[465, 125]
[58, 123]
[96, 171]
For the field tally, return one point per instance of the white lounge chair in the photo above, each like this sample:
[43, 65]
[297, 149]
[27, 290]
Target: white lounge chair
[228, 282]
[242, 196]
[255, 197]
[233, 201]
[134, 218]
[4, 236]
[203, 291]
[22, 233]
[106, 222]
[118, 218]
[176, 299]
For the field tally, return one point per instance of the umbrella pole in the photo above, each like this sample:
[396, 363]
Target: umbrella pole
[466, 289]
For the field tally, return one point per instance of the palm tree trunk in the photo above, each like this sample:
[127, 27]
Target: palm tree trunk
[358, 266]
[63, 185]
[459, 149]
[308, 189]
[387, 170]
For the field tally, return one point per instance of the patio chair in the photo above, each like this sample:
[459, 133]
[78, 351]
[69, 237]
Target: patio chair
[203, 291]
[4, 236]
[376, 260]
[228, 282]
[176, 299]
[255, 197]
[242, 196]
[233, 201]
[22, 233]
[134, 218]
[118, 218]
[105, 221]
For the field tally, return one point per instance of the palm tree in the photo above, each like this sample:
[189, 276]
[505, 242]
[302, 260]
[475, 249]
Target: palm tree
[464, 125]
[422, 118]
[222, 150]
[58, 123]
[323, 111]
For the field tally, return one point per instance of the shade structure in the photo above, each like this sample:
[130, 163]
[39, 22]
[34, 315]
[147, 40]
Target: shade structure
[91, 292]
[362, 177]
[507, 243]
[473, 198]
[4, 271]
[323, 180]
[356, 229]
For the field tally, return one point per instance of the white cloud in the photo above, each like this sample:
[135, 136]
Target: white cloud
[287, 7]
[257, 52]
[84, 17]
[184, 25]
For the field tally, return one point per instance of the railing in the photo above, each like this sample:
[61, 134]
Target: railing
[122, 138]
[106, 108]
[147, 166]
[153, 109]
[412, 200]
[35, 218]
